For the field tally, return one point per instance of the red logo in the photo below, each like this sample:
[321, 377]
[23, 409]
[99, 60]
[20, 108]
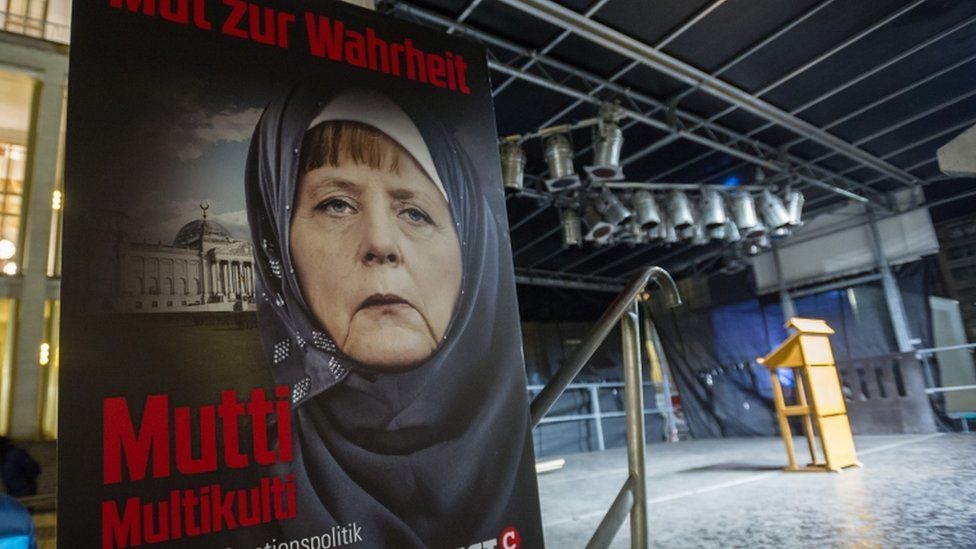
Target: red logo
[510, 538]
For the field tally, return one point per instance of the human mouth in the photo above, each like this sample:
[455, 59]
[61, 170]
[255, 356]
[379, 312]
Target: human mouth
[384, 302]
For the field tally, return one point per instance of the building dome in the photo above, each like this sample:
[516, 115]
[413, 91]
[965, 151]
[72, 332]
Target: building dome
[202, 229]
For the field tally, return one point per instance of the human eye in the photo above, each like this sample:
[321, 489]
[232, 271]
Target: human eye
[417, 216]
[336, 206]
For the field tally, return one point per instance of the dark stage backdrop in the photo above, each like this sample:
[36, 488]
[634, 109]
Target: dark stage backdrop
[712, 351]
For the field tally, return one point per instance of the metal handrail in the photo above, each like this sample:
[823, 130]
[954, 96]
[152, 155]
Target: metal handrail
[596, 415]
[632, 498]
[925, 354]
[544, 401]
[933, 350]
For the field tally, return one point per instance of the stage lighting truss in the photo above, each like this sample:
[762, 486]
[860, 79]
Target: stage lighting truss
[602, 210]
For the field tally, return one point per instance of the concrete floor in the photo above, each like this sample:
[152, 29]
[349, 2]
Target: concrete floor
[914, 491]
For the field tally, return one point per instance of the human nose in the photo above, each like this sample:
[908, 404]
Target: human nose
[379, 243]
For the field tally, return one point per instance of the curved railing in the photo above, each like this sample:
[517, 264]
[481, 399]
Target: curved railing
[632, 499]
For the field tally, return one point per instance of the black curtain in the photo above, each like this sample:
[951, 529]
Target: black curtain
[713, 350]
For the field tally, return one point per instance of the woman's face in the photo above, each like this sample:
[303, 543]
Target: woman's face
[377, 258]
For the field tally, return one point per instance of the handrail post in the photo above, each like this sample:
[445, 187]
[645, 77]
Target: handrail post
[634, 396]
[597, 416]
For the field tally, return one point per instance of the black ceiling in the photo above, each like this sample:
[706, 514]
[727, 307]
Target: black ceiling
[897, 78]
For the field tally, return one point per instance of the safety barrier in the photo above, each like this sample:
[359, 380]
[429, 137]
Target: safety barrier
[886, 395]
[632, 498]
[933, 389]
[597, 413]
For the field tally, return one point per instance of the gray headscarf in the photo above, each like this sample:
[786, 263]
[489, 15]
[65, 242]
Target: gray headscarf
[437, 456]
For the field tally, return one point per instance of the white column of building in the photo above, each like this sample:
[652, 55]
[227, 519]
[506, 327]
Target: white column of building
[225, 276]
[42, 177]
[214, 278]
[246, 277]
[202, 277]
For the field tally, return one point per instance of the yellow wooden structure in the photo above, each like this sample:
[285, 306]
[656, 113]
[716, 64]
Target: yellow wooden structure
[818, 396]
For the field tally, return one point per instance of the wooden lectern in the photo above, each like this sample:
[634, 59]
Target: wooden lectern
[819, 397]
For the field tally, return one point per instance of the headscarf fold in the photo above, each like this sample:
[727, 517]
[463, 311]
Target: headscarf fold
[437, 456]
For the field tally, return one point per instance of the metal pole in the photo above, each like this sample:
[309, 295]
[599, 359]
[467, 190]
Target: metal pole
[786, 302]
[670, 420]
[598, 421]
[927, 371]
[614, 519]
[634, 396]
[896, 307]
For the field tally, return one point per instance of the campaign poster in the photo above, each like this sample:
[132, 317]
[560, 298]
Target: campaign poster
[289, 306]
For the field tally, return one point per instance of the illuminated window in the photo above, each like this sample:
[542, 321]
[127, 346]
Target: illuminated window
[48, 358]
[16, 100]
[13, 162]
[25, 16]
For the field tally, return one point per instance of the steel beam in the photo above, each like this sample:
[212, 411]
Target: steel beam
[600, 34]
[638, 116]
[546, 258]
[849, 116]
[867, 74]
[564, 282]
[817, 60]
[902, 123]
[760, 45]
[537, 240]
[919, 142]
[549, 47]
[593, 255]
[530, 217]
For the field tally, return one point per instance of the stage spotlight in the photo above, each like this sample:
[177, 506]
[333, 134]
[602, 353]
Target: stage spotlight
[572, 230]
[608, 140]
[513, 165]
[612, 209]
[659, 232]
[633, 233]
[559, 158]
[712, 209]
[670, 233]
[717, 233]
[699, 234]
[773, 210]
[794, 206]
[597, 230]
[679, 211]
[744, 210]
[648, 213]
[732, 232]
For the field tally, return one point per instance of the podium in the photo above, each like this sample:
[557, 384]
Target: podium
[818, 394]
